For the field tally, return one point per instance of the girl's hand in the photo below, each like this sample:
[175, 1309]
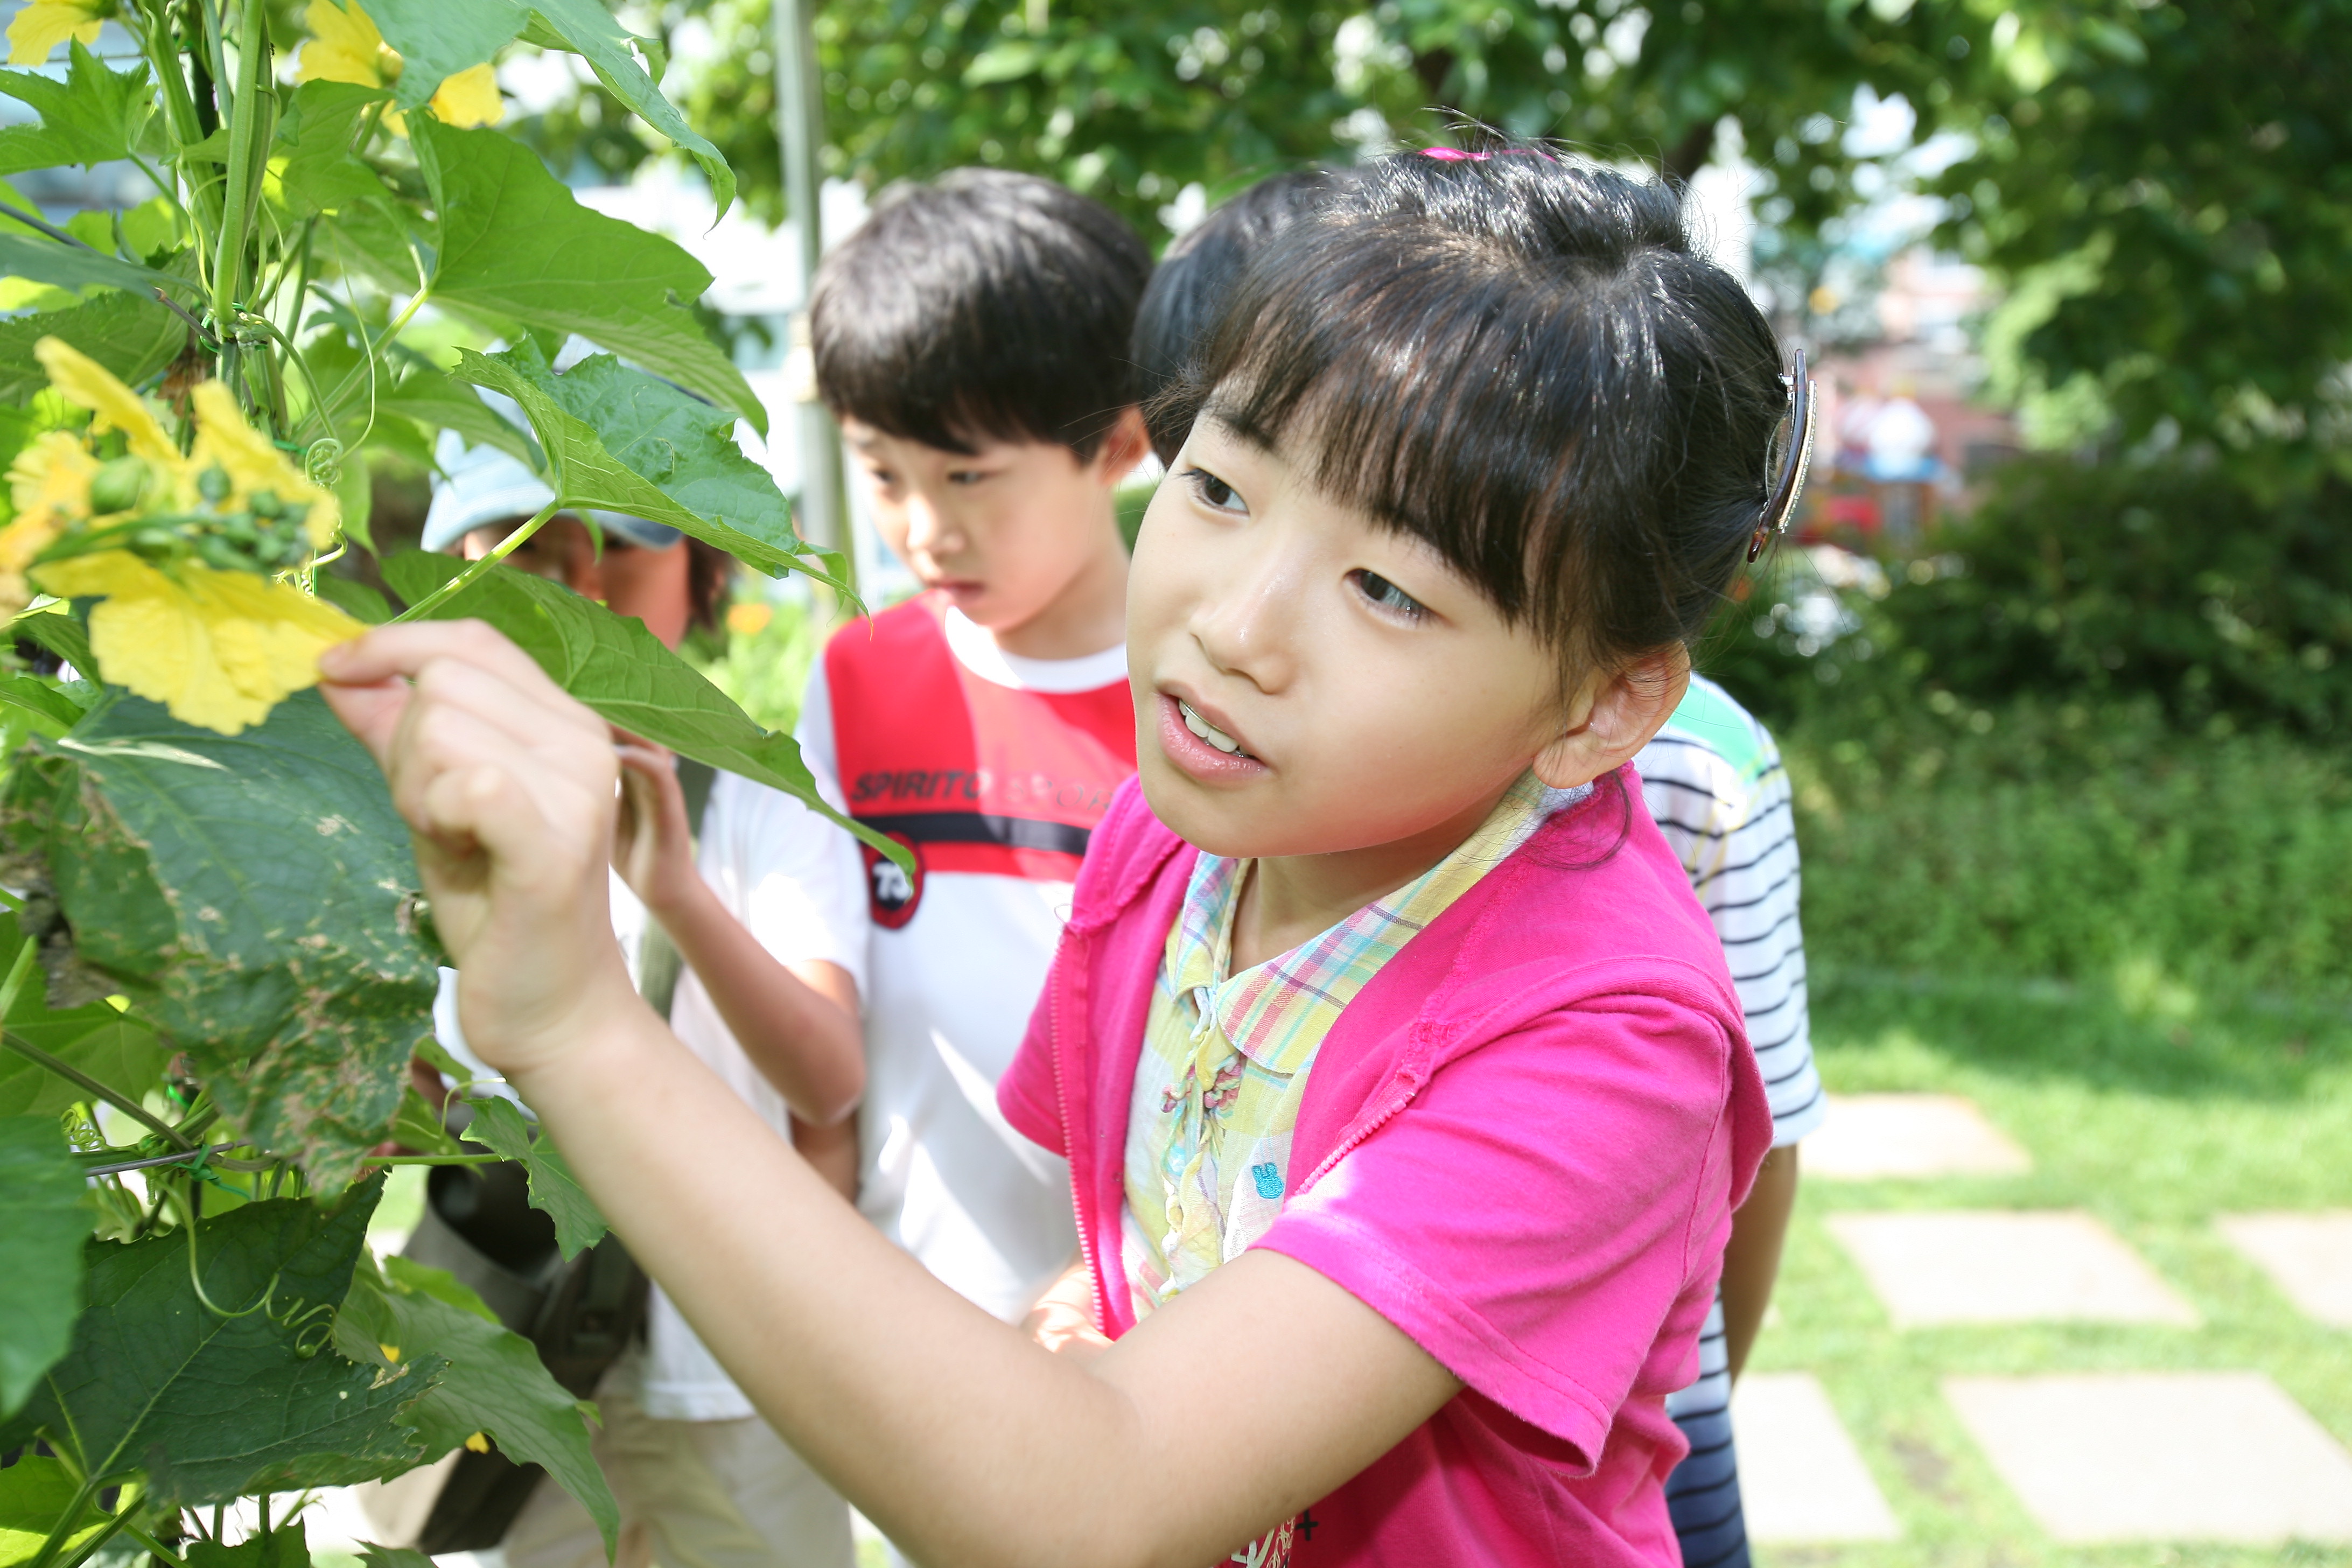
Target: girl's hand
[508, 786]
[653, 842]
[1062, 1319]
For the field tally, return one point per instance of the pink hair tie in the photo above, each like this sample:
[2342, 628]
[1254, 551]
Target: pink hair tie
[1457, 156]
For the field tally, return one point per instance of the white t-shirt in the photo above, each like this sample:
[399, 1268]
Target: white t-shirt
[947, 999]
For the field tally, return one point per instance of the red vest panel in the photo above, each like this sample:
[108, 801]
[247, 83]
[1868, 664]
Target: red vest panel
[971, 776]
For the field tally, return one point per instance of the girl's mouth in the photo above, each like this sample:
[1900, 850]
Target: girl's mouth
[1208, 732]
[1206, 751]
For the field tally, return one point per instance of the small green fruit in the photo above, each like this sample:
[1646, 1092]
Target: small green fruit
[118, 486]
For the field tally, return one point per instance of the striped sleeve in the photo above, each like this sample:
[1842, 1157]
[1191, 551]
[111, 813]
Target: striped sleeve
[1716, 785]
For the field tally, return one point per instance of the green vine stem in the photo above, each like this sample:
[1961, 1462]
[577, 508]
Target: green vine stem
[430, 1159]
[121, 1102]
[474, 569]
[161, 1553]
[63, 1530]
[246, 115]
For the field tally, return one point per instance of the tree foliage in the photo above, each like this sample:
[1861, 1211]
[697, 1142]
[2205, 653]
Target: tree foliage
[2171, 183]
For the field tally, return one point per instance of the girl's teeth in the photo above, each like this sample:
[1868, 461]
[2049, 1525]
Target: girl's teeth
[1206, 730]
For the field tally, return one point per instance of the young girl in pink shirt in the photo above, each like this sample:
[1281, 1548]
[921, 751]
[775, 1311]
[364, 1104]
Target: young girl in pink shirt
[1398, 1072]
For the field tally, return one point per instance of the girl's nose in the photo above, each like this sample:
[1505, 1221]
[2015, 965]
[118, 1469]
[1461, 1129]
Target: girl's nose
[927, 530]
[1246, 621]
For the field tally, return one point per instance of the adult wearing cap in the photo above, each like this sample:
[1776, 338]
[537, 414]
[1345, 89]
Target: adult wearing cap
[701, 1483]
[646, 569]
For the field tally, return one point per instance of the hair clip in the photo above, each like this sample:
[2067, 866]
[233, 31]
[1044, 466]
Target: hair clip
[1794, 463]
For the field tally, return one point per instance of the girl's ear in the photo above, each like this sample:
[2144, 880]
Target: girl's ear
[1619, 716]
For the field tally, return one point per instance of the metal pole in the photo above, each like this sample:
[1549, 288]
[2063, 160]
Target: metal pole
[800, 126]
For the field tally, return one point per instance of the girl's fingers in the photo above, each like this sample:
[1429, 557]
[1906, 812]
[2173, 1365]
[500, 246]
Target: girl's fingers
[440, 741]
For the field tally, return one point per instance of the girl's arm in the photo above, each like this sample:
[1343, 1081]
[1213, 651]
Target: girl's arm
[1230, 1410]
[798, 1023]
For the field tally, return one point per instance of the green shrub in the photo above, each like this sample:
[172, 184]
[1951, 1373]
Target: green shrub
[2166, 580]
[2074, 841]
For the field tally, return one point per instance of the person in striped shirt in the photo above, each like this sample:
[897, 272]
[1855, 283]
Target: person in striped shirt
[1715, 784]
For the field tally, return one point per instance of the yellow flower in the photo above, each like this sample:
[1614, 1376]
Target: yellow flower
[218, 648]
[42, 26]
[83, 381]
[469, 99]
[253, 463]
[344, 46]
[49, 486]
[479, 1443]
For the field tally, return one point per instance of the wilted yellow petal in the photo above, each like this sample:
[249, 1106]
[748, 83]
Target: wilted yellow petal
[253, 463]
[49, 484]
[469, 99]
[478, 1443]
[343, 45]
[42, 26]
[391, 1353]
[83, 381]
[218, 648]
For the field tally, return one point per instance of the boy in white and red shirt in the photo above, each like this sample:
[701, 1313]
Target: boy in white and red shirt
[971, 337]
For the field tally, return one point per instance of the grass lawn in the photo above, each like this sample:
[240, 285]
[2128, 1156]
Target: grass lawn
[2150, 1106]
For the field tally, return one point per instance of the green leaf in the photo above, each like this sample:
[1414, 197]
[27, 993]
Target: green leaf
[439, 402]
[418, 1126]
[43, 260]
[43, 1223]
[511, 241]
[622, 670]
[554, 1192]
[97, 1040]
[93, 116]
[211, 1406]
[375, 1556]
[35, 1494]
[356, 600]
[255, 893]
[496, 1384]
[129, 333]
[287, 1546]
[61, 632]
[625, 441]
[316, 168]
[436, 39]
[54, 713]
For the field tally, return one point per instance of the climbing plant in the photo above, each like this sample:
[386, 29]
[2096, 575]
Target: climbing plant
[214, 961]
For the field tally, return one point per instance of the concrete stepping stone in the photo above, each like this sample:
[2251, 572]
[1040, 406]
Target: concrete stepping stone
[2002, 1267]
[2183, 1456]
[2307, 1256]
[1800, 1479]
[1908, 1137]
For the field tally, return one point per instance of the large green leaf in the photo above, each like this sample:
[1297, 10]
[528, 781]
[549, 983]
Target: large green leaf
[626, 442]
[622, 670]
[255, 893]
[35, 1494]
[287, 1546]
[511, 241]
[554, 1191]
[438, 38]
[71, 266]
[435, 401]
[43, 1223]
[160, 1378]
[129, 333]
[95, 1039]
[496, 1384]
[93, 116]
[314, 163]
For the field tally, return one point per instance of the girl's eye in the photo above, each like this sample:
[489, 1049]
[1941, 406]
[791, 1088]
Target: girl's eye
[1387, 595]
[1214, 493]
[965, 476]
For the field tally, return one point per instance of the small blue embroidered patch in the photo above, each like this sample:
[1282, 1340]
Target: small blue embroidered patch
[1268, 1178]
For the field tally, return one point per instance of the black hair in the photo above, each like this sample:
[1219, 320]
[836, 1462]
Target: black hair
[1195, 278]
[1522, 362]
[982, 306]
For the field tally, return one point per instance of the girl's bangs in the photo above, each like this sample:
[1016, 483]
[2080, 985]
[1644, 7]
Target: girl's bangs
[1439, 397]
